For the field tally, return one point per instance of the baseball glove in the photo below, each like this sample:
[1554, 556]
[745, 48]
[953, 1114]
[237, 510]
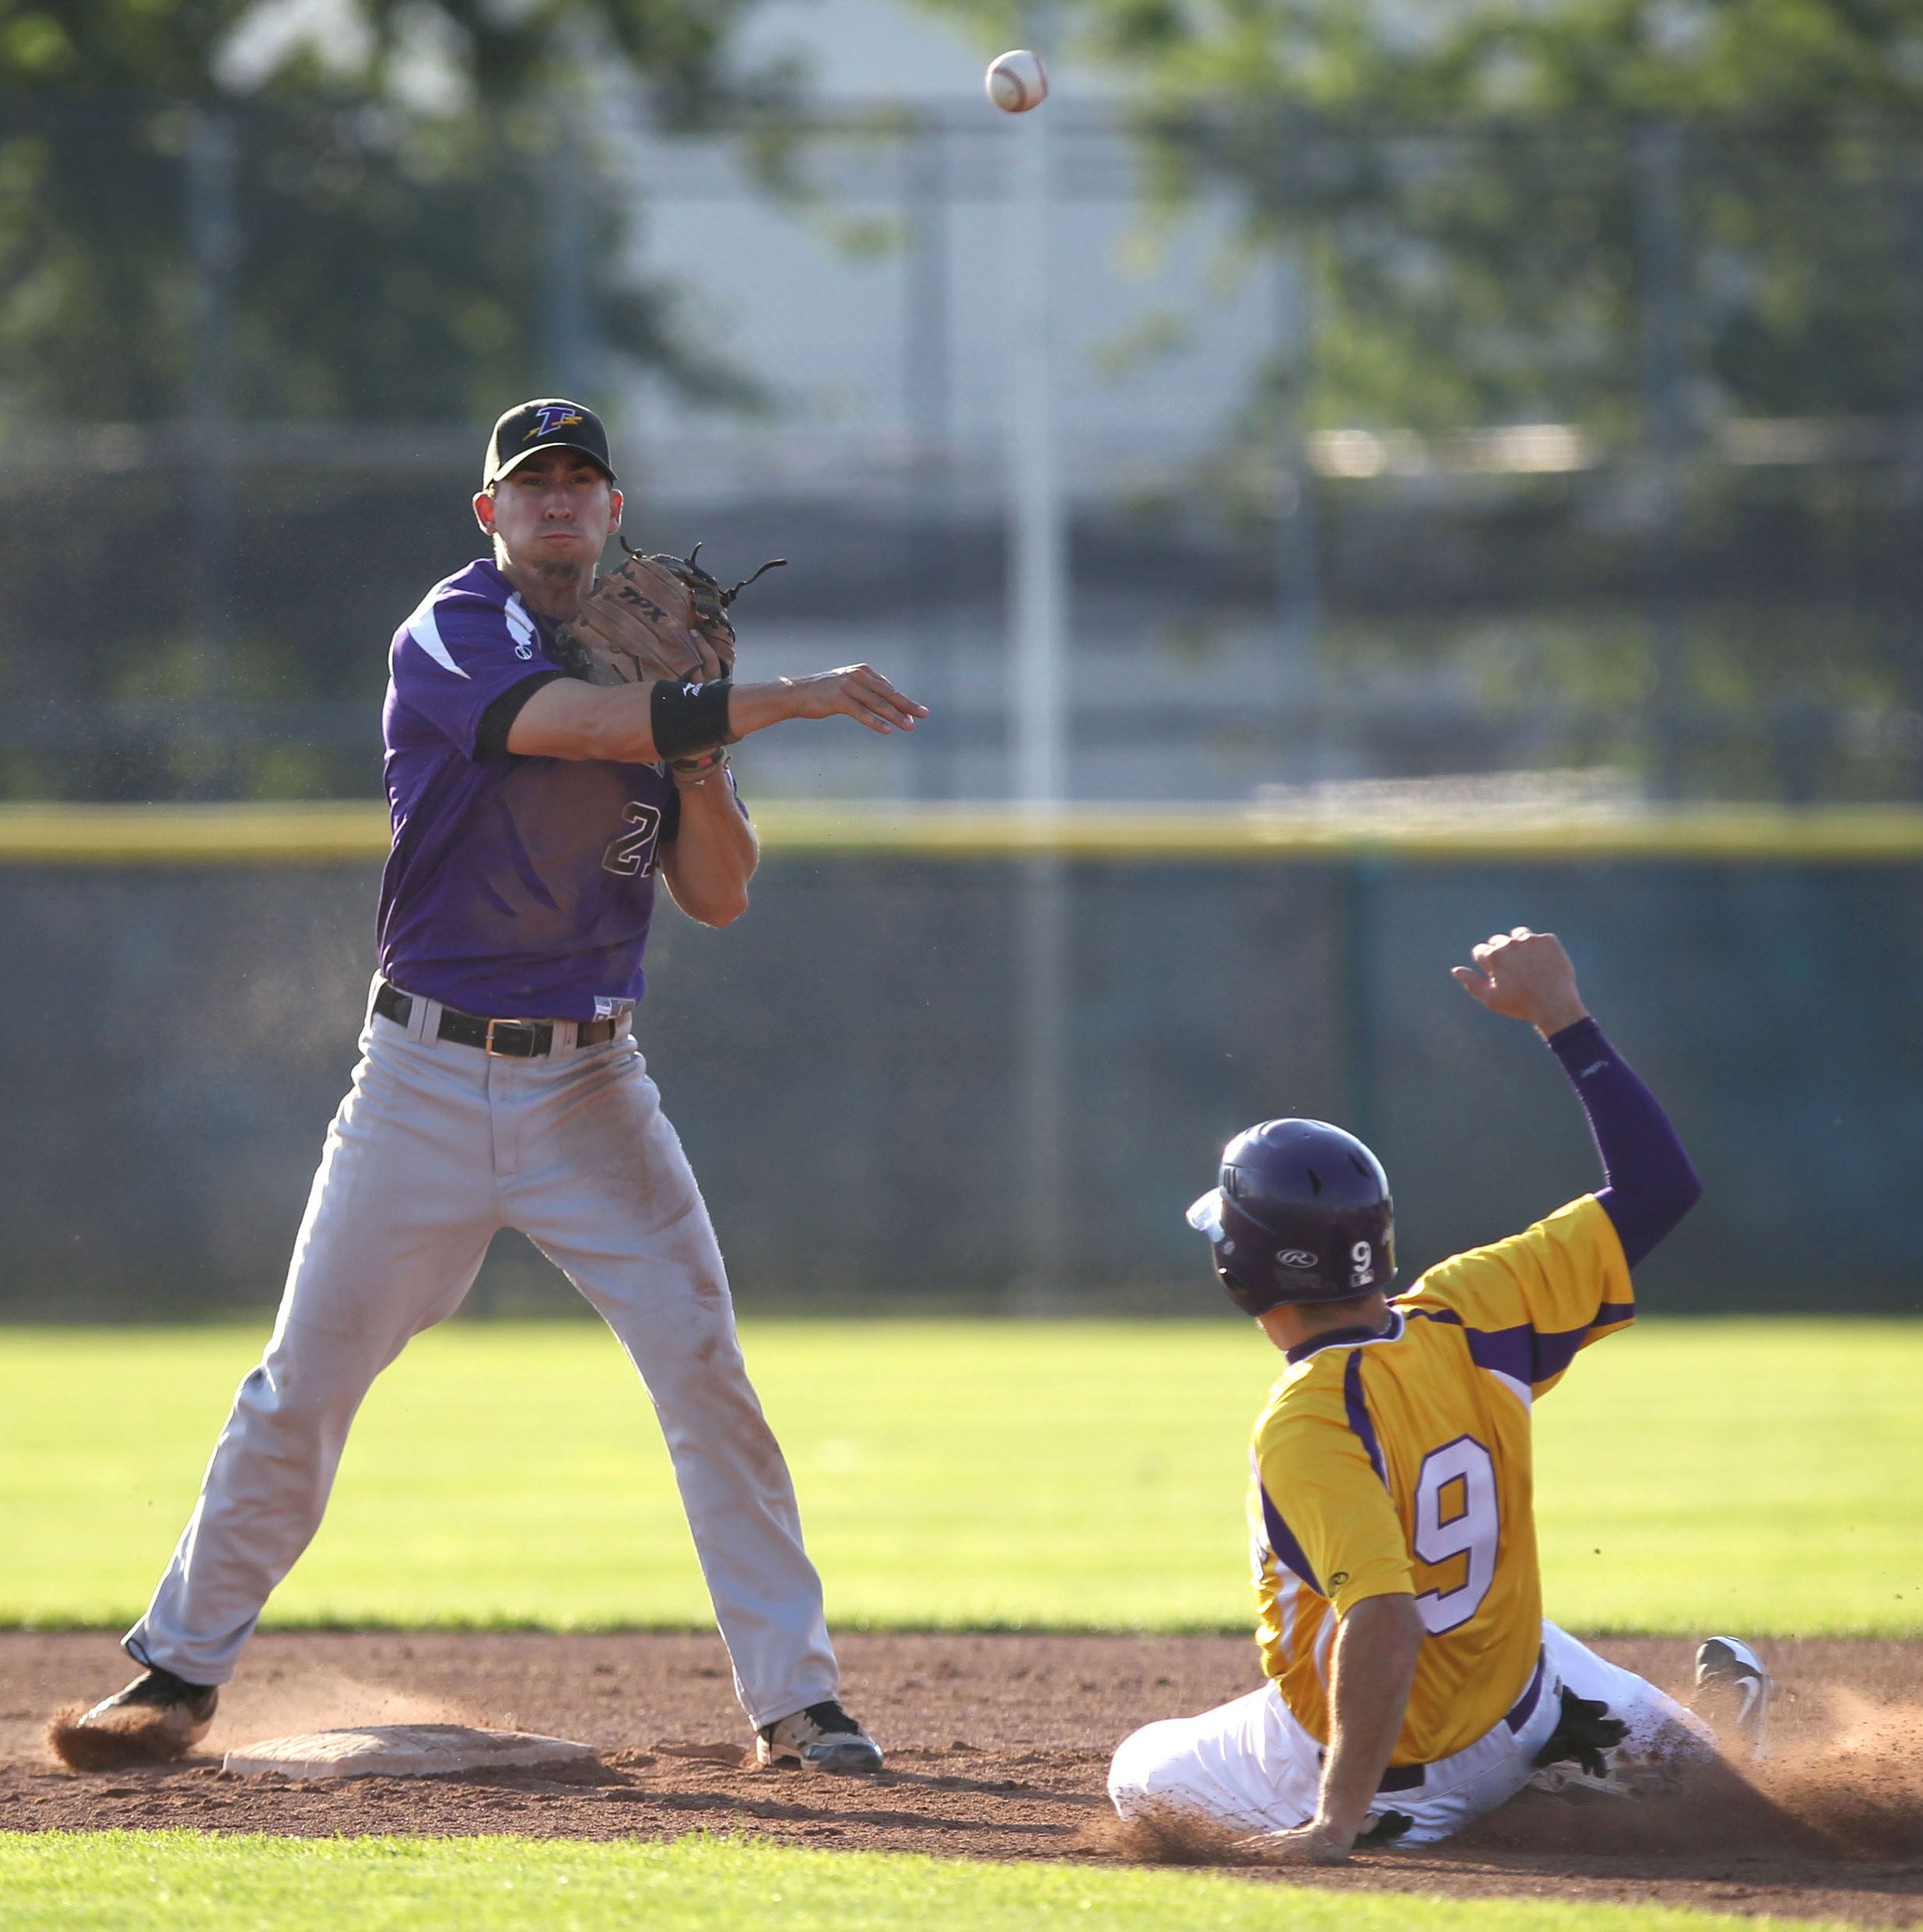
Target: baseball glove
[654, 619]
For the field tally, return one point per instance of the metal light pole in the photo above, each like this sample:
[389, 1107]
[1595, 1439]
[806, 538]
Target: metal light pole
[928, 410]
[1660, 163]
[569, 344]
[1038, 732]
[214, 250]
[1038, 570]
[1299, 594]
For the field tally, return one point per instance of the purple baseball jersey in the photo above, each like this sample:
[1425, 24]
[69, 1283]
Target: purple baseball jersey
[518, 887]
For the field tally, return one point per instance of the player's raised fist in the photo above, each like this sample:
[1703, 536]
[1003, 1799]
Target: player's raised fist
[1526, 976]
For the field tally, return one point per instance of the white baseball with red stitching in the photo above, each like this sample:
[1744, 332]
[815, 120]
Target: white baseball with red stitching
[1017, 81]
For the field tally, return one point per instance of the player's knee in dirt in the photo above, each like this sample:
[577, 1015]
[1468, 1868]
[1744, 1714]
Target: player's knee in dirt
[1146, 1771]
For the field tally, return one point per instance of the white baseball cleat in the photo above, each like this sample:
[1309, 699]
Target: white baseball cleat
[823, 1737]
[1734, 1690]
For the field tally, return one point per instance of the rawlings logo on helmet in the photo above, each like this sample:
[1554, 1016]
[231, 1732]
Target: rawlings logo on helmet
[1300, 1213]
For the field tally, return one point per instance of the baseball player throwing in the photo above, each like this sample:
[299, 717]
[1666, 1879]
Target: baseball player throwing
[500, 1085]
[1412, 1683]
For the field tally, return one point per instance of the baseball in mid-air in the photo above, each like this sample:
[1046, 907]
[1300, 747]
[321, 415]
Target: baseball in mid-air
[1017, 81]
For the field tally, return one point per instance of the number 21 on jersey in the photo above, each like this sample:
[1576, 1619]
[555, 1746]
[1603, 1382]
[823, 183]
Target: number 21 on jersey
[632, 851]
[1455, 1516]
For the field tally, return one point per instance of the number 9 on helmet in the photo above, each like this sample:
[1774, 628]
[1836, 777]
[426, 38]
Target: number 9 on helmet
[1301, 1213]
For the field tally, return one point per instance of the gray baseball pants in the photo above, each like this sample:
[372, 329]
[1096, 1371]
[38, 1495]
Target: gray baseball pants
[436, 1147]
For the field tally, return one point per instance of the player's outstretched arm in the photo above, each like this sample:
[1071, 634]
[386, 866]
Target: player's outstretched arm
[1649, 1183]
[1376, 1646]
[856, 690]
[569, 719]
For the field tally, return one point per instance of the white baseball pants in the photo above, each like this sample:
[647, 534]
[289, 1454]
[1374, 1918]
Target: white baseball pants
[1251, 1766]
[435, 1147]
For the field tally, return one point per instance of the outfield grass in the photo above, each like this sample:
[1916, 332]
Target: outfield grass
[111, 1880]
[1754, 1474]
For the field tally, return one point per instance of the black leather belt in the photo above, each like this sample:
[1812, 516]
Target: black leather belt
[516, 1039]
[1411, 1777]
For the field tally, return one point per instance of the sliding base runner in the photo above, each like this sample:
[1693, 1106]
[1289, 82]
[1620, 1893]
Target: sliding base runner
[1412, 1683]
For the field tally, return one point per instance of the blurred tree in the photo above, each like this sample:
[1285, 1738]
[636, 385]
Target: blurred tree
[387, 208]
[219, 213]
[1476, 183]
[1657, 219]
[187, 50]
[1783, 58]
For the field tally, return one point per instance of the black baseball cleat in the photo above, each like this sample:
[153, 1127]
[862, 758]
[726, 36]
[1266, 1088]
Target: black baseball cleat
[823, 1737]
[157, 1718]
[1733, 1689]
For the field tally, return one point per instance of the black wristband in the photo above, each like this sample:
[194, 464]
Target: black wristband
[688, 717]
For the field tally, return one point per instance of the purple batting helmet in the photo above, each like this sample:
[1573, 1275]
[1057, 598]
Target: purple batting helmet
[1302, 1214]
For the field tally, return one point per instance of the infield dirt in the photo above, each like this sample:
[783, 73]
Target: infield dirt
[998, 1746]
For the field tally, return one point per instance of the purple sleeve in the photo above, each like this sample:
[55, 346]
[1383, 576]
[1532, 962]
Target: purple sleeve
[1651, 1184]
[457, 655]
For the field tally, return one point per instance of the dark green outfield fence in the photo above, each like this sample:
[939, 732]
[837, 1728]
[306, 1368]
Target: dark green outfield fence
[963, 1059]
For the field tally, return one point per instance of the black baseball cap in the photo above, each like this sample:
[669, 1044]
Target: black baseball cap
[549, 422]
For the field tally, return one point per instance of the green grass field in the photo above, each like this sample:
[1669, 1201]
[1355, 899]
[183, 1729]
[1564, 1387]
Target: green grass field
[107, 1882]
[1691, 1474]
[960, 1473]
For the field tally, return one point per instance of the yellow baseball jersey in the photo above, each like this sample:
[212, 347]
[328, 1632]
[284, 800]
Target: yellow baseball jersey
[1402, 1463]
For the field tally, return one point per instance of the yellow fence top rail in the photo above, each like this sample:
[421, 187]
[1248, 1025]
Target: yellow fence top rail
[356, 831]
